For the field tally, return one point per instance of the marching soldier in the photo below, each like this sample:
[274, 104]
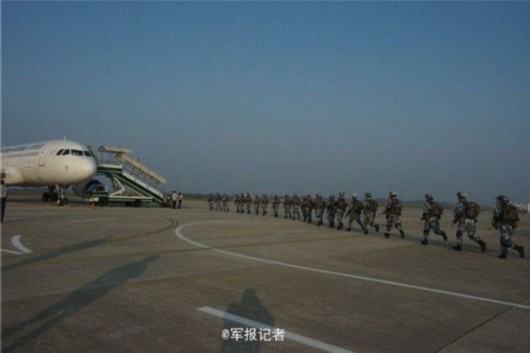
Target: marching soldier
[369, 211]
[393, 212]
[287, 207]
[465, 216]
[296, 206]
[275, 205]
[331, 207]
[320, 206]
[354, 211]
[264, 204]
[307, 208]
[341, 208]
[432, 212]
[225, 199]
[257, 202]
[248, 202]
[505, 219]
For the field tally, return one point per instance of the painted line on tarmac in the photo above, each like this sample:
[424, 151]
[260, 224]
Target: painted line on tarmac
[286, 334]
[15, 240]
[92, 220]
[341, 274]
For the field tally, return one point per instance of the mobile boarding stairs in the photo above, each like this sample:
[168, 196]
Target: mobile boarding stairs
[132, 182]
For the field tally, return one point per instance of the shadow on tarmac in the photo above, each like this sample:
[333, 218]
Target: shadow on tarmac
[76, 301]
[55, 253]
[250, 308]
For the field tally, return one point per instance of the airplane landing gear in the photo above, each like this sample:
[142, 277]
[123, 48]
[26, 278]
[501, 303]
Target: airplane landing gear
[55, 194]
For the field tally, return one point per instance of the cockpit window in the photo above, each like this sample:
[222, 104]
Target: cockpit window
[77, 152]
[60, 152]
[87, 153]
[66, 152]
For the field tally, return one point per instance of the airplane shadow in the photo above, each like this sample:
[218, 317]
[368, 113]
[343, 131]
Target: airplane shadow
[54, 253]
[250, 308]
[69, 306]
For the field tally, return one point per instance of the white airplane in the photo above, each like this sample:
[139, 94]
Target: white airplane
[56, 164]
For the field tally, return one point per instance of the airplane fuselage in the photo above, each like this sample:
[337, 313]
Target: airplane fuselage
[58, 162]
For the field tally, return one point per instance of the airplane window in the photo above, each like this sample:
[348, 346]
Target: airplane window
[77, 152]
[59, 153]
[66, 152]
[87, 153]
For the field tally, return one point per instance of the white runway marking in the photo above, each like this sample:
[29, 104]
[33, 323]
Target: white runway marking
[288, 335]
[91, 220]
[15, 240]
[346, 275]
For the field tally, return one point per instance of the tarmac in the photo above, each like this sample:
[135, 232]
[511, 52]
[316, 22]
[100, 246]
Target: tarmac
[150, 279]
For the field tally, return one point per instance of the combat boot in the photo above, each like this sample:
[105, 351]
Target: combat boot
[387, 235]
[340, 226]
[444, 235]
[457, 247]
[482, 246]
[365, 231]
[377, 228]
[402, 233]
[424, 241]
[520, 250]
[502, 256]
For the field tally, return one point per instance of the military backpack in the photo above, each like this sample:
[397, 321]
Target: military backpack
[510, 214]
[472, 210]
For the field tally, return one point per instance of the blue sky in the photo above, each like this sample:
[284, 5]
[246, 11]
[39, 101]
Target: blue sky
[282, 97]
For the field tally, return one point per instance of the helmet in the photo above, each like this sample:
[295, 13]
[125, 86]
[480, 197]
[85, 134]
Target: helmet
[392, 194]
[354, 196]
[461, 195]
[368, 194]
[429, 197]
[503, 199]
[341, 194]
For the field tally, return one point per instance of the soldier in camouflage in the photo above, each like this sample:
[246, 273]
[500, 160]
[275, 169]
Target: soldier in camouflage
[320, 206]
[354, 212]
[369, 211]
[331, 206]
[340, 210]
[275, 205]
[287, 207]
[505, 219]
[465, 217]
[257, 203]
[432, 212]
[295, 204]
[264, 204]
[393, 213]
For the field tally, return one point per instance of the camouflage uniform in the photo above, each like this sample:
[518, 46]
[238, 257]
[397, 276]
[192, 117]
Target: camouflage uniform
[275, 205]
[296, 206]
[332, 209]
[392, 212]
[248, 202]
[225, 199]
[218, 199]
[210, 201]
[287, 207]
[466, 223]
[264, 204]
[320, 206]
[341, 209]
[237, 202]
[505, 218]
[257, 202]
[307, 208]
[354, 211]
[432, 212]
[369, 211]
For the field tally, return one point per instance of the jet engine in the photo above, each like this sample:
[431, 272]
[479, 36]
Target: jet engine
[83, 189]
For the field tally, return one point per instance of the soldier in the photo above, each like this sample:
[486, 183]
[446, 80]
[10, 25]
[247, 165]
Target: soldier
[210, 201]
[432, 212]
[218, 199]
[331, 207]
[340, 209]
[237, 202]
[393, 212]
[287, 207]
[354, 211]
[275, 205]
[225, 199]
[320, 206]
[369, 211]
[296, 206]
[264, 204]
[465, 214]
[248, 202]
[257, 202]
[505, 218]
[307, 208]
